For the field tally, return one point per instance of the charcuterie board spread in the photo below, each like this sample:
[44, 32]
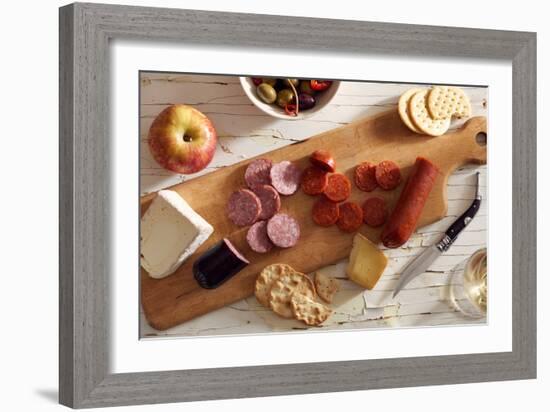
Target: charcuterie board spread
[179, 297]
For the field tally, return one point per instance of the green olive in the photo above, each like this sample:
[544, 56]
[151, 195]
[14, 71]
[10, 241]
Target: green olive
[305, 86]
[294, 82]
[284, 97]
[269, 80]
[266, 93]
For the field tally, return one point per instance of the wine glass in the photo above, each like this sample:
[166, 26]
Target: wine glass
[468, 288]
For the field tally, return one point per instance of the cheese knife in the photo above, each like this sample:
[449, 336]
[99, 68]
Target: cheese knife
[423, 261]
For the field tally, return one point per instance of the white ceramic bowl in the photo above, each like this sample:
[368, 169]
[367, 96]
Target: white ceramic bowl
[322, 99]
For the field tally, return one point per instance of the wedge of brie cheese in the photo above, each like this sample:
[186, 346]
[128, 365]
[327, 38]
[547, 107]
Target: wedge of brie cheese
[171, 231]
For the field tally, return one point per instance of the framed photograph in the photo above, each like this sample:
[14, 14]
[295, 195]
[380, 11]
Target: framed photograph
[257, 205]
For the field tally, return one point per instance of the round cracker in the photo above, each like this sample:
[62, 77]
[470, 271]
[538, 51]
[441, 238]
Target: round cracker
[448, 101]
[422, 119]
[284, 287]
[266, 278]
[403, 108]
[307, 310]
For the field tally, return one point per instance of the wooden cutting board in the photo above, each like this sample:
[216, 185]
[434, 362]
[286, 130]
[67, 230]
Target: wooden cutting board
[177, 298]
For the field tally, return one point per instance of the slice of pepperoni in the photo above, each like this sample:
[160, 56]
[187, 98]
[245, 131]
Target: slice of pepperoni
[388, 175]
[338, 188]
[365, 177]
[314, 181]
[325, 213]
[374, 211]
[351, 217]
[324, 160]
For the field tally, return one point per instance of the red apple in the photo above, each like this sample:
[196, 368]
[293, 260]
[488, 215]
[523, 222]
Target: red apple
[182, 139]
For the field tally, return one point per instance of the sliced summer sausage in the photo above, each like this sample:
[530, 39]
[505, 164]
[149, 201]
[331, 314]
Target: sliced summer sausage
[285, 177]
[283, 230]
[243, 207]
[257, 237]
[269, 199]
[257, 173]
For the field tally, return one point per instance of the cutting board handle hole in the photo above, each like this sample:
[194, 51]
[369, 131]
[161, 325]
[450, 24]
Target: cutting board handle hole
[481, 139]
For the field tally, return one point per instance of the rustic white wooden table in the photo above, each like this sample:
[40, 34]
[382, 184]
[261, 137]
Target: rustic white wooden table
[244, 131]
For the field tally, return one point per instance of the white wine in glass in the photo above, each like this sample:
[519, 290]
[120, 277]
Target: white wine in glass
[469, 285]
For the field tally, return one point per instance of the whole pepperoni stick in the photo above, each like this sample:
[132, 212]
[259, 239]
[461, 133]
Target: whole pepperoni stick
[404, 217]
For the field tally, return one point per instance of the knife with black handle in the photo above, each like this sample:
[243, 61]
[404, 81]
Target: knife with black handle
[423, 261]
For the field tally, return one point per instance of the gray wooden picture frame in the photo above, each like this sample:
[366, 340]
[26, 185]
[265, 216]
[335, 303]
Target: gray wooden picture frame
[85, 32]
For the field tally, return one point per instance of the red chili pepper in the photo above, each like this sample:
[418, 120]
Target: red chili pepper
[256, 80]
[320, 85]
[290, 109]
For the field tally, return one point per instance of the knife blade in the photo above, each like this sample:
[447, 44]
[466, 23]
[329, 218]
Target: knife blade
[417, 266]
[423, 261]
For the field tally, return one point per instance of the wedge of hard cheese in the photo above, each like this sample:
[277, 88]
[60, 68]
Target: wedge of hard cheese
[171, 231]
[366, 262]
